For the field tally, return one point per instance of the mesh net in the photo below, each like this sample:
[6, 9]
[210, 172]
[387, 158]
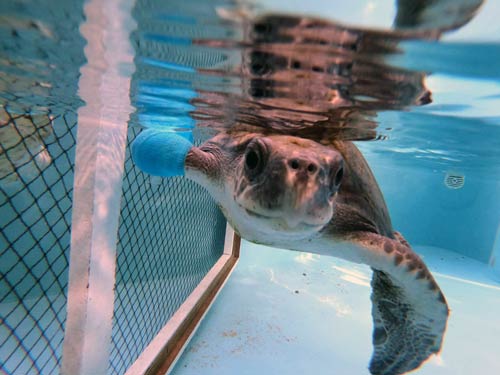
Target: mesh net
[171, 233]
[36, 181]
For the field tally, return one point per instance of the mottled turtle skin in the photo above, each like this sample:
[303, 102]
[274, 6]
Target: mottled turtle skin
[295, 193]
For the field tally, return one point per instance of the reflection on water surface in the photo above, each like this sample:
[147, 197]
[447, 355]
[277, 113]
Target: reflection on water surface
[313, 78]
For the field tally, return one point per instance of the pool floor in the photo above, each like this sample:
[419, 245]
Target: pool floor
[283, 312]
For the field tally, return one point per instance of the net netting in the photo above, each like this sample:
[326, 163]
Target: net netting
[38, 125]
[171, 233]
[36, 182]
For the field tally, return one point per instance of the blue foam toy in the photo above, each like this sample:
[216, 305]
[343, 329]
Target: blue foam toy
[161, 153]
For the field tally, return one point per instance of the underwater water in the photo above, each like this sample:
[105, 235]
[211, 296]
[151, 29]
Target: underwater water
[415, 86]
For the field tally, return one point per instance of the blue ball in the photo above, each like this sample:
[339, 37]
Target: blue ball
[160, 153]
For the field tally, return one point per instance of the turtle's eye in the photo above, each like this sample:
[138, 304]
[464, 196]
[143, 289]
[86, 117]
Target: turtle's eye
[339, 176]
[336, 180]
[255, 156]
[252, 160]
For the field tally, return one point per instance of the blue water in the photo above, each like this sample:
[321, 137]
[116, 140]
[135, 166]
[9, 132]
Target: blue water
[421, 101]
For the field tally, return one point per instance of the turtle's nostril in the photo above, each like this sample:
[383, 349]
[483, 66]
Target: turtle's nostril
[302, 165]
[294, 164]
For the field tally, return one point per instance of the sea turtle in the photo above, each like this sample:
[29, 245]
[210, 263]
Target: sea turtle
[295, 193]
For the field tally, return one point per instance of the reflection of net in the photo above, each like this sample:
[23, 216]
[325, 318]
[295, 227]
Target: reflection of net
[171, 233]
[36, 183]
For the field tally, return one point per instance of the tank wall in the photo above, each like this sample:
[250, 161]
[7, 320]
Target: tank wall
[495, 258]
[429, 213]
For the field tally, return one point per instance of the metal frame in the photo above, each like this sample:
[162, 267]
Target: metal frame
[161, 354]
[99, 167]
[99, 164]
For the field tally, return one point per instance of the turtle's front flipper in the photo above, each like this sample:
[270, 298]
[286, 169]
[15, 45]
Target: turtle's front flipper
[398, 236]
[403, 336]
[409, 310]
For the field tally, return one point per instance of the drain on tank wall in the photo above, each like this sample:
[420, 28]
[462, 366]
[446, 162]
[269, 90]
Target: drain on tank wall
[454, 180]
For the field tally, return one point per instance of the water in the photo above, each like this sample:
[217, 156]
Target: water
[214, 64]
[415, 87]
[291, 78]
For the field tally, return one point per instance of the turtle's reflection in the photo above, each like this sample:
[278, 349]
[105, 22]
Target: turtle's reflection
[306, 72]
[322, 80]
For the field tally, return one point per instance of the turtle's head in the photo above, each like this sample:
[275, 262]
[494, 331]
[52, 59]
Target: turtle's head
[269, 185]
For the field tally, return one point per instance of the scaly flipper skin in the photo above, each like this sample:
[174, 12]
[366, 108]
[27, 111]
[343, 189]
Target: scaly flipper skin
[409, 310]
[398, 236]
